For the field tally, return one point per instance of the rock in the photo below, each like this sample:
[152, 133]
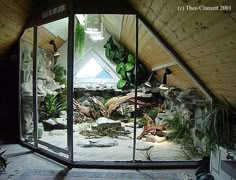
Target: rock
[41, 88]
[63, 114]
[155, 139]
[58, 132]
[27, 114]
[82, 127]
[164, 116]
[157, 120]
[86, 103]
[61, 121]
[51, 124]
[104, 123]
[160, 139]
[53, 86]
[97, 143]
[26, 89]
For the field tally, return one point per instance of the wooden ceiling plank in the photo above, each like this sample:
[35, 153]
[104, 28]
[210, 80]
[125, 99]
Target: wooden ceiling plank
[167, 12]
[17, 11]
[145, 6]
[218, 45]
[180, 18]
[157, 67]
[156, 48]
[154, 10]
[221, 29]
[196, 23]
[123, 29]
[217, 69]
[203, 62]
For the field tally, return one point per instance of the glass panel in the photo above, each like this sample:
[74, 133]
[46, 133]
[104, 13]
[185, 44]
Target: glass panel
[51, 83]
[26, 88]
[103, 102]
[169, 125]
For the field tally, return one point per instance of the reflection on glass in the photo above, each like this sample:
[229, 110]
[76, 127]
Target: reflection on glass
[26, 45]
[51, 83]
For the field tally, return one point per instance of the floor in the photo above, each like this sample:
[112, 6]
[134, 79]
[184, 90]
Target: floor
[25, 164]
[165, 150]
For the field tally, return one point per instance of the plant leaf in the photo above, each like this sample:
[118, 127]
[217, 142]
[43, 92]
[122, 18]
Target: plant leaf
[2, 152]
[3, 163]
[129, 66]
[121, 83]
[119, 67]
[131, 59]
[123, 74]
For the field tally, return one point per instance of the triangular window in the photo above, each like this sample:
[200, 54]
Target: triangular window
[92, 69]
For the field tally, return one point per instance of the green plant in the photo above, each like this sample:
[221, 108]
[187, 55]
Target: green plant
[217, 123]
[52, 106]
[152, 113]
[59, 74]
[3, 162]
[142, 121]
[180, 133]
[179, 130]
[79, 37]
[125, 64]
[147, 154]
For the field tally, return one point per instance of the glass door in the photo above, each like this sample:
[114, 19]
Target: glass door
[51, 86]
[104, 81]
[26, 86]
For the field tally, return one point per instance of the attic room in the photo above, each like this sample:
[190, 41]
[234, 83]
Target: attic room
[138, 84]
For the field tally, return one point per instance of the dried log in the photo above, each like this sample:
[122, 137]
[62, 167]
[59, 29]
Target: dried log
[86, 111]
[115, 102]
[102, 107]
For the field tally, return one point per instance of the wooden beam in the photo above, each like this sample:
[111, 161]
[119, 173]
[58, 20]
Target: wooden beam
[156, 67]
[178, 59]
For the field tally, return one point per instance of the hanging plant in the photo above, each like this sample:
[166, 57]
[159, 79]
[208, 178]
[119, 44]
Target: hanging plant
[125, 63]
[79, 37]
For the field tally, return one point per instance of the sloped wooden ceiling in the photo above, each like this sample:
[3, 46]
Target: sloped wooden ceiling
[44, 37]
[13, 16]
[206, 40]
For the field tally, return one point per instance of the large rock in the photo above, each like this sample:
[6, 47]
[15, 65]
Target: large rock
[151, 138]
[105, 123]
[51, 124]
[58, 132]
[155, 139]
[61, 121]
[103, 142]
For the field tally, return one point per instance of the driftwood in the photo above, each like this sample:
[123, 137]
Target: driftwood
[103, 108]
[85, 111]
[150, 127]
[114, 103]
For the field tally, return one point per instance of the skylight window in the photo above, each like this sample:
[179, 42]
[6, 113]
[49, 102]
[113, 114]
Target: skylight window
[93, 69]
[90, 70]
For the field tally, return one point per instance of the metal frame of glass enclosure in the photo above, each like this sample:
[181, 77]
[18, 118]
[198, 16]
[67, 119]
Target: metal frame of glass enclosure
[70, 63]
